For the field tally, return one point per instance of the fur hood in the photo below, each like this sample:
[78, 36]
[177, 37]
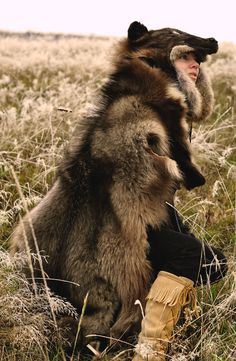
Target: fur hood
[199, 95]
[160, 48]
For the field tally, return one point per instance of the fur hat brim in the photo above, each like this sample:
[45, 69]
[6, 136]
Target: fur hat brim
[179, 50]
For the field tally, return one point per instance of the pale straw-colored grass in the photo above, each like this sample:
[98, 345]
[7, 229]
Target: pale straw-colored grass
[38, 76]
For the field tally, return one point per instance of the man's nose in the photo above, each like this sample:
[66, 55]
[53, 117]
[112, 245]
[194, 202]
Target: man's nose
[195, 64]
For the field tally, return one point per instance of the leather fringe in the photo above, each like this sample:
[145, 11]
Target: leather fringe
[171, 290]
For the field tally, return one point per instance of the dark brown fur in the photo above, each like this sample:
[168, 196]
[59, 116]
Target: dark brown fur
[114, 182]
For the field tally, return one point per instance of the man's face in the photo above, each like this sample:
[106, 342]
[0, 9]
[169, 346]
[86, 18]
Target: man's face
[188, 64]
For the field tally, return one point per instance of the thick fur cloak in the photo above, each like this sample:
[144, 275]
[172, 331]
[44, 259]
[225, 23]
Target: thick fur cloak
[121, 168]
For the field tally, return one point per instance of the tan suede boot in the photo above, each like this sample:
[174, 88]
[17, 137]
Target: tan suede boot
[164, 302]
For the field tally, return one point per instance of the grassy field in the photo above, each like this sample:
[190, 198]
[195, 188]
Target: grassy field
[38, 76]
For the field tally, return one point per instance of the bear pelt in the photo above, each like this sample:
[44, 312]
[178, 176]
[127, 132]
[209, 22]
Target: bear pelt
[122, 166]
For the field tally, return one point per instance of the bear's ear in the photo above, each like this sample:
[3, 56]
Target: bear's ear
[136, 30]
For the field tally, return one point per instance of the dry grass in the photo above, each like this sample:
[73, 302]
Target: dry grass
[38, 75]
[27, 325]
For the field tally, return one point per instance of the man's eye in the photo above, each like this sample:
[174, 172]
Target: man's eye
[184, 56]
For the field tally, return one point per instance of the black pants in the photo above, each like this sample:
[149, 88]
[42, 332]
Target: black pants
[181, 253]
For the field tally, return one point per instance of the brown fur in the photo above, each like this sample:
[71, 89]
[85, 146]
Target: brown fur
[116, 177]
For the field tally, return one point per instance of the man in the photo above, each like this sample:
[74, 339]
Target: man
[180, 261]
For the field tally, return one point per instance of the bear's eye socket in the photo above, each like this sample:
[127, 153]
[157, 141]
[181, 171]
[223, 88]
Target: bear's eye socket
[153, 142]
[175, 32]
